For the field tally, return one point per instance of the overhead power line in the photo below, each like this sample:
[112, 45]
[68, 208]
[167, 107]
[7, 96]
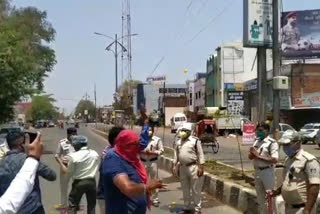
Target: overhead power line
[212, 20]
[175, 36]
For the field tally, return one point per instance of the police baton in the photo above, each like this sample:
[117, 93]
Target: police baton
[270, 201]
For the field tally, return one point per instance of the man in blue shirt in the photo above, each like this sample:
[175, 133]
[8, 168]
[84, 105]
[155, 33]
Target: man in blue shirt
[11, 165]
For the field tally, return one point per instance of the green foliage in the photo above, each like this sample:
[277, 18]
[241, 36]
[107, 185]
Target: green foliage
[25, 57]
[125, 101]
[85, 105]
[43, 109]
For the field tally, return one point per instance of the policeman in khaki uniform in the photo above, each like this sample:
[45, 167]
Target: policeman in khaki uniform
[188, 164]
[264, 153]
[149, 157]
[301, 176]
[64, 149]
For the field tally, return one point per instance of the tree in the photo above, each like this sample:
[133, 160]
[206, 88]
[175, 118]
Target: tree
[25, 57]
[125, 100]
[42, 108]
[85, 105]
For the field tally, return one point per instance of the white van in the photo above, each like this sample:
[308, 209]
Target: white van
[177, 120]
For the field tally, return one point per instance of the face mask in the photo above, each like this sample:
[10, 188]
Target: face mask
[183, 135]
[150, 133]
[261, 135]
[289, 151]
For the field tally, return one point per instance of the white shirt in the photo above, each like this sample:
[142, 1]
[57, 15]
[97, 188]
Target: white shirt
[155, 145]
[83, 164]
[266, 148]
[188, 151]
[64, 150]
[20, 188]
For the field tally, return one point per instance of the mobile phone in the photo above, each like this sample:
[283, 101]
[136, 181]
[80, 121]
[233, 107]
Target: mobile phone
[32, 136]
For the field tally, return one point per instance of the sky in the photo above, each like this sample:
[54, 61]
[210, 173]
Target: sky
[184, 32]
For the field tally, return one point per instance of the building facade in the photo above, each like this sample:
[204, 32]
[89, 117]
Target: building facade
[150, 96]
[199, 91]
[190, 96]
[227, 70]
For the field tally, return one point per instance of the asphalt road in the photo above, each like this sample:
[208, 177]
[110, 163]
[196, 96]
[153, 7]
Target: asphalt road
[50, 190]
[229, 148]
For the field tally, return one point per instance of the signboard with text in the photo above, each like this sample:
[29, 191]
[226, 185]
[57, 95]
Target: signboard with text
[249, 134]
[235, 103]
[257, 29]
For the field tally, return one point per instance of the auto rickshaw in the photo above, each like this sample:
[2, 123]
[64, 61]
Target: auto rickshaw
[206, 131]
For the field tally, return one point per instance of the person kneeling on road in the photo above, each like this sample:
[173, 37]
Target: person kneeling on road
[82, 167]
[188, 164]
[301, 175]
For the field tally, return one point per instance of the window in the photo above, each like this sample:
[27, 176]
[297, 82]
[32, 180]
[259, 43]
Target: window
[199, 94]
[196, 96]
[190, 96]
[191, 102]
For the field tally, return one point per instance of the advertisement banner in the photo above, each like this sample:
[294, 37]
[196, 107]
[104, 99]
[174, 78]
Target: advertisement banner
[300, 34]
[257, 29]
[249, 134]
[307, 100]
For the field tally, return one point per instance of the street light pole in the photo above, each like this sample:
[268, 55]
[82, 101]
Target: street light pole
[116, 61]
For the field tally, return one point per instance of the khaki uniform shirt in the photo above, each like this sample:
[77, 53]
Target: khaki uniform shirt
[64, 150]
[155, 145]
[299, 171]
[189, 151]
[266, 148]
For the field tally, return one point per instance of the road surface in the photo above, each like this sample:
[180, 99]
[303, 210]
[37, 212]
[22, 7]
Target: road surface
[229, 148]
[50, 190]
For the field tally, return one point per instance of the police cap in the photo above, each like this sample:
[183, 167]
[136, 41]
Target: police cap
[79, 140]
[290, 137]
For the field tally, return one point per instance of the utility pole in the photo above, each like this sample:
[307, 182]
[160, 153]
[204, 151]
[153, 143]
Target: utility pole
[276, 63]
[95, 104]
[262, 83]
[116, 60]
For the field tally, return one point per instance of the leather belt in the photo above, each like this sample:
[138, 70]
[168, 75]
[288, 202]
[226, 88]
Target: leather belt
[152, 159]
[263, 168]
[190, 164]
[298, 206]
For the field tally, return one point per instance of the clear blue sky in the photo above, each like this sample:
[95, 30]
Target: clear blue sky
[165, 28]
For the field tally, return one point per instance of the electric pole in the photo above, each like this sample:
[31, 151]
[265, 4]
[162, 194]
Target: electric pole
[262, 83]
[95, 104]
[116, 60]
[276, 63]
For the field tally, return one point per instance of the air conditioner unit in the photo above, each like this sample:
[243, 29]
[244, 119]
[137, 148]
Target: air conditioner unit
[280, 83]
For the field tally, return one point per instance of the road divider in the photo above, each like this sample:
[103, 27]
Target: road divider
[242, 198]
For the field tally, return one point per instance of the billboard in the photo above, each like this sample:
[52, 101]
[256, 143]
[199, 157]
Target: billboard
[257, 29]
[300, 34]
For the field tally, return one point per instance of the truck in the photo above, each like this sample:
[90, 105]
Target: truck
[225, 123]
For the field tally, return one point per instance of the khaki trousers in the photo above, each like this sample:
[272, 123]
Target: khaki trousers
[64, 186]
[264, 180]
[152, 170]
[191, 186]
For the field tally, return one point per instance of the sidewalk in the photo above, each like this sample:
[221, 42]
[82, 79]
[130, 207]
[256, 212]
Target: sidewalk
[174, 194]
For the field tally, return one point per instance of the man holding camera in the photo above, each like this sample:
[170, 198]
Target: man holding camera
[11, 165]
